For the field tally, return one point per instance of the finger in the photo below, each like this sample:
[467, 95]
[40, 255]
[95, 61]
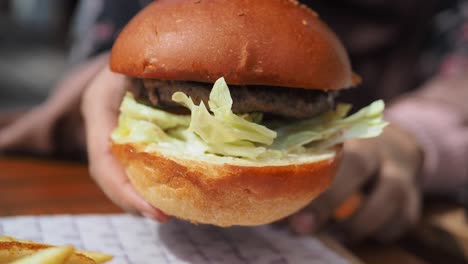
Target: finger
[100, 109]
[406, 217]
[382, 204]
[117, 187]
[359, 164]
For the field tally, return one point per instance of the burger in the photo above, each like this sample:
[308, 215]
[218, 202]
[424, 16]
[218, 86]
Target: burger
[230, 115]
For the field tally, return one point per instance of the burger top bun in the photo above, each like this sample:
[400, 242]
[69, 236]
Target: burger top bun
[249, 42]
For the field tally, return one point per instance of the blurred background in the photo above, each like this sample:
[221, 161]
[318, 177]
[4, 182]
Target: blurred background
[34, 45]
[36, 37]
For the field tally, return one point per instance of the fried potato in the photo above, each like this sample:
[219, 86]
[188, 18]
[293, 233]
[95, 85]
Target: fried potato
[99, 258]
[53, 255]
[12, 249]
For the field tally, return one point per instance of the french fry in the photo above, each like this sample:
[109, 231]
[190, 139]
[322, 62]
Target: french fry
[13, 250]
[6, 238]
[53, 255]
[99, 258]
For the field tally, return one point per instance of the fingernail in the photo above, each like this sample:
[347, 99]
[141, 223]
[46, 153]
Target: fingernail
[163, 218]
[154, 213]
[157, 215]
[153, 217]
[304, 224]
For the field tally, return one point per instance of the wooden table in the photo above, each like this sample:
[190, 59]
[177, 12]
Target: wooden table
[46, 187]
[50, 187]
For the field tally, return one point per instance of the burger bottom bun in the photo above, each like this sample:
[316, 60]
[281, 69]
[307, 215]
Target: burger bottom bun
[224, 194]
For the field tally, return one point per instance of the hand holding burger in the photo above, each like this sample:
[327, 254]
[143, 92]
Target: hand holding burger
[394, 158]
[278, 81]
[388, 208]
[103, 96]
[230, 116]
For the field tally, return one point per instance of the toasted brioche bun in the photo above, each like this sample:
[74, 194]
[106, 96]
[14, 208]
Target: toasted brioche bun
[224, 194]
[249, 42]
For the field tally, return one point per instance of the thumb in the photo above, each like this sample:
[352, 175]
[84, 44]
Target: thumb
[100, 111]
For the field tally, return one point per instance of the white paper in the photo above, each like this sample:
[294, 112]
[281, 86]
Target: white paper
[138, 240]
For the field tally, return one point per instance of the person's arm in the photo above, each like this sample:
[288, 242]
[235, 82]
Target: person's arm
[38, 130]
[99, 107]
[56, 126]
[437, 116]
[424, 149]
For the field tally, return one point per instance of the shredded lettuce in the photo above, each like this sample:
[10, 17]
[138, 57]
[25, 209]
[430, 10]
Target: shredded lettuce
[332, 128]
[163, 119]
[224, 126]
[217, 130]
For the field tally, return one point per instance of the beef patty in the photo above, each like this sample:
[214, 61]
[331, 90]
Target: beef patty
[286, 102]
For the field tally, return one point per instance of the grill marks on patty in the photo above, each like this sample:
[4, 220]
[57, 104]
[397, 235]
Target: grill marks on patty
[286, 102]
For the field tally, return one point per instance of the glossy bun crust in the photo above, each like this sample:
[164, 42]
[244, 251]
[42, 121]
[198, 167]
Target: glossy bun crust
[249, 42]
[223, 194]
